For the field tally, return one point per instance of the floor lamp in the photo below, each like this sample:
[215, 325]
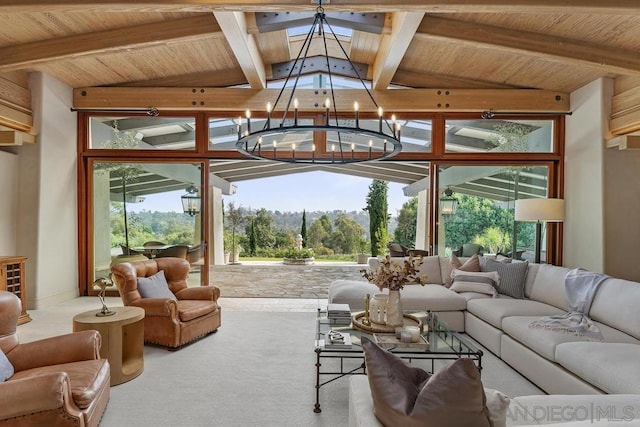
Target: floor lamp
[538, 211]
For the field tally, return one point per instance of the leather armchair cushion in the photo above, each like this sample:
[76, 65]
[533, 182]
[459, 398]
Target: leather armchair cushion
[192, 309]
[86, 378]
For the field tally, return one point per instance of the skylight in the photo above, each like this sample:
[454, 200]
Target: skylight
[303, 30]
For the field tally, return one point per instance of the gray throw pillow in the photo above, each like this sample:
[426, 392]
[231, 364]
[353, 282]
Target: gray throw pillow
[408, 396]
[6, 368]
[155, 286]
[512, 276]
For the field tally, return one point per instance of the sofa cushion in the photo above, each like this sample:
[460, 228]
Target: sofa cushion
[468, 281]
[86, 378]
[541, 341]
[431, 297]
[548, 286]
[512, 276]
[351, 292]
[155, 286]
[612, 367]
[494, 310]
[431, 267]
[409, 396]
[616, 304]
[532, 272]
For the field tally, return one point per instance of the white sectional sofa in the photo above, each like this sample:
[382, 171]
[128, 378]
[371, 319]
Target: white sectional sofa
[557, 363]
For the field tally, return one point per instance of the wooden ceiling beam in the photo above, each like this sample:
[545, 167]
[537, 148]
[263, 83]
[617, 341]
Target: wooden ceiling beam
[13, 137]
[393, 47]
[559, 49]
[625, 112]
[217, 78]
[392, 101]
[244, 47]
[422, 80]
[431, 6]
[87, 44]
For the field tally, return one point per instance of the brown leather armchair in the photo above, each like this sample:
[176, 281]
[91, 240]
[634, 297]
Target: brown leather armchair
[169, 322]
[57, 381]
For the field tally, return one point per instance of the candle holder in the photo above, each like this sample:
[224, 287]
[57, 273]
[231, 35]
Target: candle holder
[103, 283]
[365, 320]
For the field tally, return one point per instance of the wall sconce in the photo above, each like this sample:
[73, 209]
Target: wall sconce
[448, 203]
[538, 210]
[191, 201]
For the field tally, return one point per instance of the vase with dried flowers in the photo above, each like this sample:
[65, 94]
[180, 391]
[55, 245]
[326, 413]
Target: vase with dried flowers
[393, 276]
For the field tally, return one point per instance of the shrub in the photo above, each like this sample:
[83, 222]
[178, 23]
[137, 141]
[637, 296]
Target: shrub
[298, 253]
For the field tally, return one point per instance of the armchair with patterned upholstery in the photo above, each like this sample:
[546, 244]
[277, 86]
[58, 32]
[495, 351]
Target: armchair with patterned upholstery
[57, 381]
[175, 314]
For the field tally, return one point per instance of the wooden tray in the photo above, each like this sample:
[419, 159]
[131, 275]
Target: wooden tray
[390, 341]
[408, 320]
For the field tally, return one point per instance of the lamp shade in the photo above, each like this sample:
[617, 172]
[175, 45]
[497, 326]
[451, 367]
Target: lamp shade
[550, 210]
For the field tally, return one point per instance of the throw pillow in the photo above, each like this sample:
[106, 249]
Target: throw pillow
[498, 404]
[408, 396]
[155, 286]
[471, 264]
[468, 281]
[512, 277]
[6, 368]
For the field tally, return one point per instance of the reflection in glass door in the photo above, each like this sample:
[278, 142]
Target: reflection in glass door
[138, 214]
[483, 218]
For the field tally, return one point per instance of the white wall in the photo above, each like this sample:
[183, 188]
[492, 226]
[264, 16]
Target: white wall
[8, 203]
[584, 243]
[47, 225]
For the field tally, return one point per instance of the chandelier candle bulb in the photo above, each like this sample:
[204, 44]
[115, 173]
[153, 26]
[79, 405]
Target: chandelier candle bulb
[293, 150]
[260, 145]
[384, 147]
[327, 104]
[313, 152]
[248, 114]
[370, 145]
[268, 115]
[274, 149]
[398, 131]
[380, 121]
[295, 112]
[333, 152]
[353, 146]
[355, 108]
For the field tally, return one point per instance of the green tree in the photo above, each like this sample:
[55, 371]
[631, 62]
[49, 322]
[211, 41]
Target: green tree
[303, 229]
[318, 235]
[235, 218]
[253, 238]
[346, 235]
[378, 207]
[405, 232]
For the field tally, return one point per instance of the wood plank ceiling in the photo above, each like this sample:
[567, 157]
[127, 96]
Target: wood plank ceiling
[500, 44]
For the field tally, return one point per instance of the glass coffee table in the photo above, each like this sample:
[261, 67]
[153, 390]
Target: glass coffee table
[333, 363]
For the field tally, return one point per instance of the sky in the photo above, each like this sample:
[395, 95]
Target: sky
[312, 191]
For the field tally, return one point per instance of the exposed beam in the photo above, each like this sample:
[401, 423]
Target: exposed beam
[218, 78]
[560, 49]
[275, 21]
[394, 46]
[422, 80]
[15, 119]
[12, 137]
[233, 99]
[140, 36]
[432, 6]
[244, 46]
[625, 142]
[625, 112]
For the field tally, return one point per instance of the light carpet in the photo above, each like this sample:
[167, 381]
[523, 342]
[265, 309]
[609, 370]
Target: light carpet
[257, 370]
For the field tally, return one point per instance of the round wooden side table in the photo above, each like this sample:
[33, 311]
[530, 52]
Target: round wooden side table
[122, 339]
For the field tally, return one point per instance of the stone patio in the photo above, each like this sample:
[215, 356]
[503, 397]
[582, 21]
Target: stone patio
[276, 280]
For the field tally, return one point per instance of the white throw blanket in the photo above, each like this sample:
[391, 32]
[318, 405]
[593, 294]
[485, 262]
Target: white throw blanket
[581, 287]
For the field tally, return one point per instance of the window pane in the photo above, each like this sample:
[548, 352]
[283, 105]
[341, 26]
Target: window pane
[138, 203]
[142, 133]
[511, 136]
[484, 213]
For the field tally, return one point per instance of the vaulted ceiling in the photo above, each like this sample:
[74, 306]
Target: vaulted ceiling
[500, 44]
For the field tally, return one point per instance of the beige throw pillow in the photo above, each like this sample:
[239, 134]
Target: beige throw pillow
[408, 396]
[470, 281]
[471, 264]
